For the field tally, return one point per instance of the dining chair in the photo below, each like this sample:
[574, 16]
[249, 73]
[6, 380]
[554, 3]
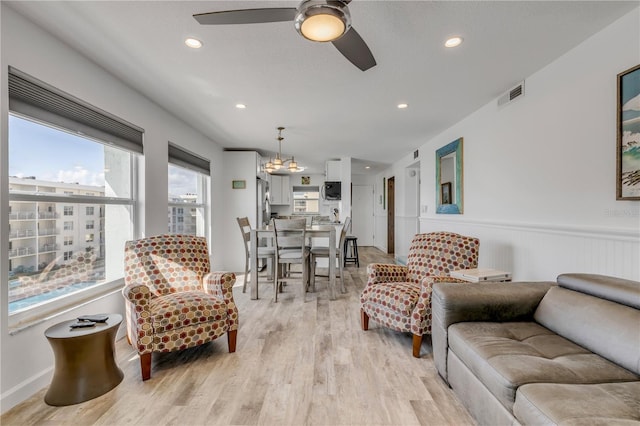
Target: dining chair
[263, 252]
[291, 249]
[323, 252]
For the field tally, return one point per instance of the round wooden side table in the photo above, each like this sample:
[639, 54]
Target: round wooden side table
[85, 367]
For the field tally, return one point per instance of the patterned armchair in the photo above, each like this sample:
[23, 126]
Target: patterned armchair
[399, 297]
[173, 301]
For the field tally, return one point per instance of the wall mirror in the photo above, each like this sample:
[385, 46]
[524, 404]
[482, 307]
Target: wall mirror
[449, 178]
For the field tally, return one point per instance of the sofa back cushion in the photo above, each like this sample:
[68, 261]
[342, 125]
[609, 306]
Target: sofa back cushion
[607, 328]
[618, 290]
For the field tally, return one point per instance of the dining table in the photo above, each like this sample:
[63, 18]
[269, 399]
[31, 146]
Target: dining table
[311, 231]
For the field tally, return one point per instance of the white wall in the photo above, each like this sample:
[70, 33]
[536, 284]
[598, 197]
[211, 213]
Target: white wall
[539, 174]
[238, 165]
[26, 359]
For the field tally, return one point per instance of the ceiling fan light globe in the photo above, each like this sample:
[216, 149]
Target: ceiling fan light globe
[319, 21]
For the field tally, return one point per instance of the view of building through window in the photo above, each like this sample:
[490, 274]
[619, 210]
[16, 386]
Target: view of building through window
[187, 201]
[60, 186]
[306, 199]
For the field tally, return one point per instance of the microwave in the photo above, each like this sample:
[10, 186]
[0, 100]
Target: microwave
[332, 191]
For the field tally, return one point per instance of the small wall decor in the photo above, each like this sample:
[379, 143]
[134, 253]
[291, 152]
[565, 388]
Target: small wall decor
[239, 184]
[305, 180]
[628, 125]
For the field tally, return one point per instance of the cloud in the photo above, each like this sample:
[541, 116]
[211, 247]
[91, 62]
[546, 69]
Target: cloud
[181, 182]
[80, 175]
[632, 104]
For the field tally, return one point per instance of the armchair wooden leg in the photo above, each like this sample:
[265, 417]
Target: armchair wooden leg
[145, 366]
[231, 339]
[364, 319]
[417, 342]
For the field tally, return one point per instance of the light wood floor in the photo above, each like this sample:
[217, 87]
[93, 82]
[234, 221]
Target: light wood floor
[296, 364]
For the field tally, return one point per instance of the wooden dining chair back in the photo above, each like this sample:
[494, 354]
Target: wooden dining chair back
[291, 248]
[263, 252]
[323, 252]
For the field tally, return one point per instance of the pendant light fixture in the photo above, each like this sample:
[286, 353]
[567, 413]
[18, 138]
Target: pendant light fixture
[279, 162]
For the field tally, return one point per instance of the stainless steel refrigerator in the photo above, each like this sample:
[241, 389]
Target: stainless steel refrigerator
[263, 212]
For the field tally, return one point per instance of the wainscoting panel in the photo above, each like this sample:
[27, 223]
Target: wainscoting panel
[533, 252]
[406, 228]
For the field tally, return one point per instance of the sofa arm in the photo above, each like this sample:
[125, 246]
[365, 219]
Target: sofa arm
[491, 302]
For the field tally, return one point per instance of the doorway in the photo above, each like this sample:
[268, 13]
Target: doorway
[391, 208]
[362, 214]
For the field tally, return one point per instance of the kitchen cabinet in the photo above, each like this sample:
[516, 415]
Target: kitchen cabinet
[280, 190]
[332, 171]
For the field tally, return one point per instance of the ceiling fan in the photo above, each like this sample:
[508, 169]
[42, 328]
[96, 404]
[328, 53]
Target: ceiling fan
[315, 20]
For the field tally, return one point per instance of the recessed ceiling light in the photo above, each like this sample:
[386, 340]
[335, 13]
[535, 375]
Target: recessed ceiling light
[453, 42]
[367, 167]
[193, 43]
[403, 106]
[241, 106]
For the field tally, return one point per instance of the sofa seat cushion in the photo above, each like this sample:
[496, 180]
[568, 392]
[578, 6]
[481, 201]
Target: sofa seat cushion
[176, 310]
[568, 405]
[505, 356]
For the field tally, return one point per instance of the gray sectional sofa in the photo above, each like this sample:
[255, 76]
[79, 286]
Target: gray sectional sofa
[565, 353]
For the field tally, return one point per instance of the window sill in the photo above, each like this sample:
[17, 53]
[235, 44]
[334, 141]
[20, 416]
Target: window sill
[21, 321]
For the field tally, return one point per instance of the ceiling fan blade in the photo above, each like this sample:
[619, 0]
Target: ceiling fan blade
[353, 47]
[247, 16]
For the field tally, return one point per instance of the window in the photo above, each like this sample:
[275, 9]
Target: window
[306, 199]
[89, 224]
[88, 238]
[188, 184]
[66, 156]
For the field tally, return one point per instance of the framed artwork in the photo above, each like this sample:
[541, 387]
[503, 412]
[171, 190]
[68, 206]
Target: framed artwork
[628, 125]
[305, 180]
[445, 193]
[239, 184]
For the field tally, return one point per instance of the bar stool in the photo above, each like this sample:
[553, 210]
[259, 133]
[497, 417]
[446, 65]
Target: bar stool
[351, 250]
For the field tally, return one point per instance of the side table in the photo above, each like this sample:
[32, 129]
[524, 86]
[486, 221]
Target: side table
[85, 367]
[478, 275]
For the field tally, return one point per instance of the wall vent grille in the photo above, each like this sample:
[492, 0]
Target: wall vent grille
[511, 95]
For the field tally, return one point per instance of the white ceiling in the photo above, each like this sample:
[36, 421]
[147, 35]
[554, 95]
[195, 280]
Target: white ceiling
[329, 107]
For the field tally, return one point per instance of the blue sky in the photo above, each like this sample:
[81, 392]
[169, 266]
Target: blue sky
[56, 156]
[53, 155]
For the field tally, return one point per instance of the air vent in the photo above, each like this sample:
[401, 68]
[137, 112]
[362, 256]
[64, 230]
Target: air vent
[513, 94]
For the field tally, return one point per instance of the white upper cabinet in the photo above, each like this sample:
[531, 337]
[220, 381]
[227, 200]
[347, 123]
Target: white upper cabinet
[280, 190]
[332, 171]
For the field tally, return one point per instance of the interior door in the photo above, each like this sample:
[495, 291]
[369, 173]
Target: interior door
[391, 215]
[362, 210]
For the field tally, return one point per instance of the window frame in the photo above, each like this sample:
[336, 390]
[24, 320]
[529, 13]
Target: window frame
[36, 101]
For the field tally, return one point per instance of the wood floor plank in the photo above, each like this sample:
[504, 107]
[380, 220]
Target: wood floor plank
[296, 363]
